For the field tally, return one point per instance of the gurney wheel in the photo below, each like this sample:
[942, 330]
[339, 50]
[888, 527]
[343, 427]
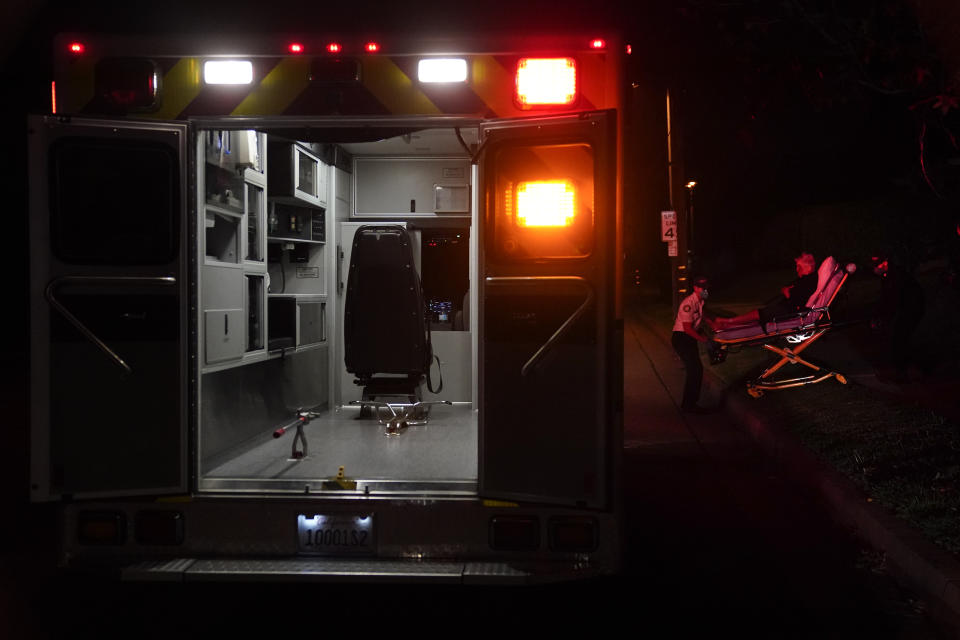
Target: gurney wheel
[840, 378]
[753, 391]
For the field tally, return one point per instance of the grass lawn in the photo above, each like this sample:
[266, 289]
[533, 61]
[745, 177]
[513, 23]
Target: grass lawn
[899, 448]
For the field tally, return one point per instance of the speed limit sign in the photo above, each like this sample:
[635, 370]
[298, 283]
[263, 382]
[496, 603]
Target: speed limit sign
[668, 226]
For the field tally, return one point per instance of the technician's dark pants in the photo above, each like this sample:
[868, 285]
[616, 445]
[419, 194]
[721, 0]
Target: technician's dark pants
[686, 347]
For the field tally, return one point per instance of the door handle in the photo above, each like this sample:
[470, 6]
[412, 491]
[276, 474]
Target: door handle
[51, 296]
[339, 270]
[565, 327]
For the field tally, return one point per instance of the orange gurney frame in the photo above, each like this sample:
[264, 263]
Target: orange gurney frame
[799, 331]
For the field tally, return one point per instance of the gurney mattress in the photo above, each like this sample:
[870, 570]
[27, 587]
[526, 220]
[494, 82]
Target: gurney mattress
[752, 330]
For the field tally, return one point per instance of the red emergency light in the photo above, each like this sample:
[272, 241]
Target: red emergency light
[546, 82]
[598, 43]
[334, 47]
[295, 47]
[372, 47]
[76, 47]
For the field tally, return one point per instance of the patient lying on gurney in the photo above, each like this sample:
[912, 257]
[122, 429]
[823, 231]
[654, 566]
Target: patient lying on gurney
[794, 298]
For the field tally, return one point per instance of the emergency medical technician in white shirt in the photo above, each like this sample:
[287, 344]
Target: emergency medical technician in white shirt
[686, 335]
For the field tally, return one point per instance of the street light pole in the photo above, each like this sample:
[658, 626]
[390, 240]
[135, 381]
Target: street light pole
[690, 253]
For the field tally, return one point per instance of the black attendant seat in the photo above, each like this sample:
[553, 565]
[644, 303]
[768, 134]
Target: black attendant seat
[386, 342]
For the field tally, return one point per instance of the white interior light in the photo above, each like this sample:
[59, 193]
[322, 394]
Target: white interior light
[228, 72]
[442, 70]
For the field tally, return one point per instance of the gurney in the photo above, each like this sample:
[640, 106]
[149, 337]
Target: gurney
[795, 333]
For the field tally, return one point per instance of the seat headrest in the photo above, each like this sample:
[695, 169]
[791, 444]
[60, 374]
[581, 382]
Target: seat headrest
[825, 283]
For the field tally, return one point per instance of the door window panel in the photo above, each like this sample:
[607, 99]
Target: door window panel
[113, 201]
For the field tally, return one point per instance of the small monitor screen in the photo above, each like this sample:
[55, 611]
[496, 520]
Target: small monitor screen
[440, 310]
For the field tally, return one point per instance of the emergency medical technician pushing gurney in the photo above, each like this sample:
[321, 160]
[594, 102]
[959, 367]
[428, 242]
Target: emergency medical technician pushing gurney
[686, 335]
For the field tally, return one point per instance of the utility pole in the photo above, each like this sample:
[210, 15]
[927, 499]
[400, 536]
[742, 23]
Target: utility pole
[679, 256]
[691, 256]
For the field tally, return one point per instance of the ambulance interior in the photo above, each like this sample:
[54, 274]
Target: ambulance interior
[279, 212]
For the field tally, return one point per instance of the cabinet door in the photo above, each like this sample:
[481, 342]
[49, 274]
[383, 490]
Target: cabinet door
[223, 334]
[311, 316]
[322, 183]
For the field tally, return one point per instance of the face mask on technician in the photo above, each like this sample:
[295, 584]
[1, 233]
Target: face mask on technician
[701, 283]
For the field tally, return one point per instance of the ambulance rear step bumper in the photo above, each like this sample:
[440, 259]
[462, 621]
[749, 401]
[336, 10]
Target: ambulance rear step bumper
[353, 570]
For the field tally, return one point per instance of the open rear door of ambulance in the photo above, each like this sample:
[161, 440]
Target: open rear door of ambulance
[108, 305]
[548, 386]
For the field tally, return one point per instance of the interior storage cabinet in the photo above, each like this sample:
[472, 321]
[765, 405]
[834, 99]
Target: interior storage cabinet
[281, 322]
[311, 316]
[296, 223]
[296, 175]
[254, 306]
[411, 186]
[296, 322]
[222, 235]
[223, 335]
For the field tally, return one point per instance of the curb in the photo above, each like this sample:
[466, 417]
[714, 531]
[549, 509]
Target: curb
[919, 563]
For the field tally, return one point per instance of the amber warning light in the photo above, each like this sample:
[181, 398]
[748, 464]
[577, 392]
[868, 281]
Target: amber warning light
[546, 204]
[546, 81]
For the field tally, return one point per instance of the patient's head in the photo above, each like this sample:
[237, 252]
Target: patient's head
[805, 264]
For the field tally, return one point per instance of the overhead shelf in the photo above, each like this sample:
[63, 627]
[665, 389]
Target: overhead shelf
[223, 211]
[285, 239]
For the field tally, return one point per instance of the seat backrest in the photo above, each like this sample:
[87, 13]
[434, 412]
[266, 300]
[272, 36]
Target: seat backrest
[829, 279]
[827, 283]
[384, 329]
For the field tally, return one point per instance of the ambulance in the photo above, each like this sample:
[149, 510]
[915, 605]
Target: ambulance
[330, 308]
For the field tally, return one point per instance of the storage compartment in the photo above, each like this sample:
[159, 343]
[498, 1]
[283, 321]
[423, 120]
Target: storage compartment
[312, 322]
[282, 320]
[233, 151]
[296, 222]
[222, 237]
[224, 188]
[223, 334]
[411, 186]
[256, 206]
[296, 175]
[254, 312]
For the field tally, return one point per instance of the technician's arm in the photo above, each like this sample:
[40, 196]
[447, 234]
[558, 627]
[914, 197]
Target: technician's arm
[690, 331]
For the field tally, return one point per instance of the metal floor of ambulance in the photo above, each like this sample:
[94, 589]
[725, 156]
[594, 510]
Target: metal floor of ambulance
[444, 449]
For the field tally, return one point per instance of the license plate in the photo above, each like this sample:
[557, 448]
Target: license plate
[336, 535]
